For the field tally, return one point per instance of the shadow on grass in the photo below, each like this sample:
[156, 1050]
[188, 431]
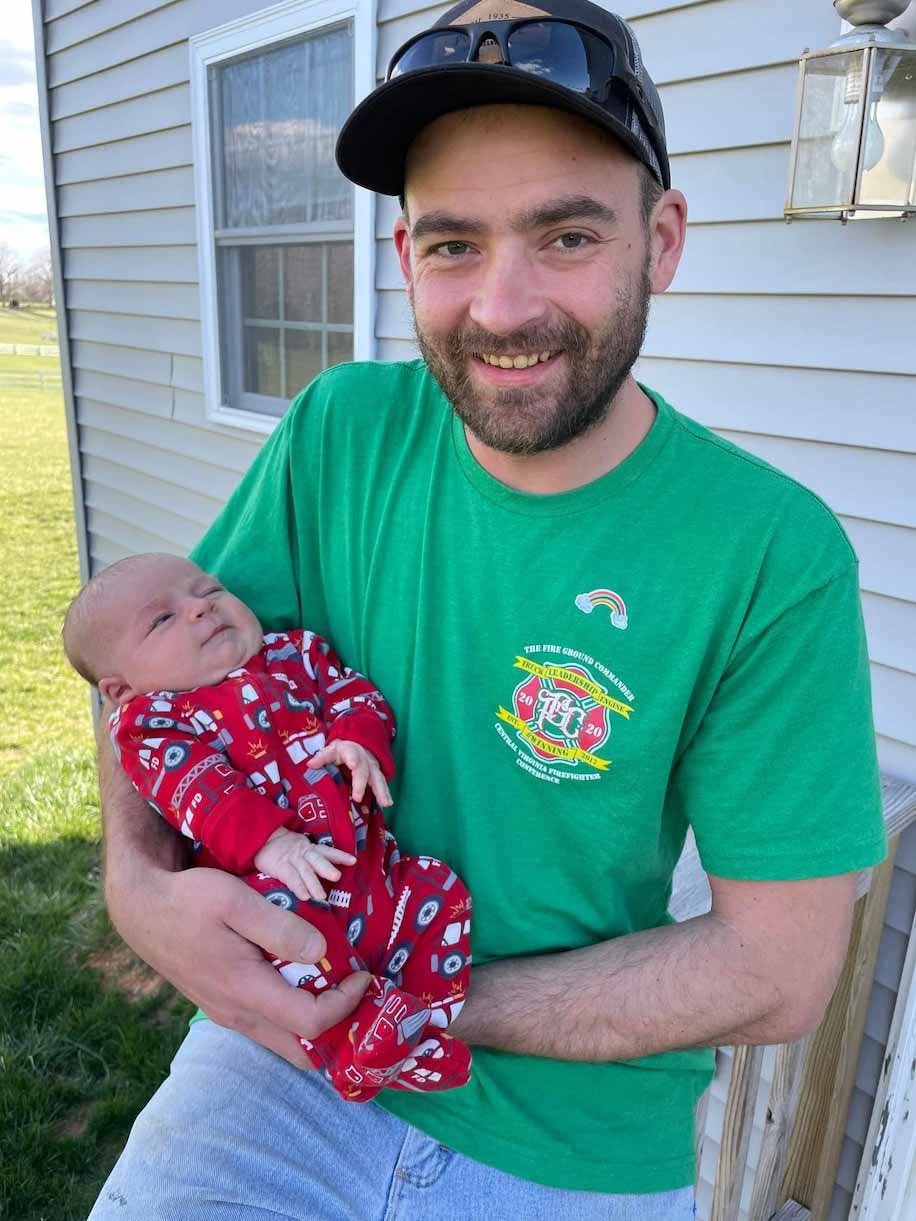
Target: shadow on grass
[86, 1031]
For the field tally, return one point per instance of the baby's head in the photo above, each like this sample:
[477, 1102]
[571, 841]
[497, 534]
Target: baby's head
[157, 623]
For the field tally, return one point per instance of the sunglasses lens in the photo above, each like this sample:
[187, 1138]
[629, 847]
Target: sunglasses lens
[449, 47]
[552, 50]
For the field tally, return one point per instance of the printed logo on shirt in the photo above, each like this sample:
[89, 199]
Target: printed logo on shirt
[561, 713]
[605, 597]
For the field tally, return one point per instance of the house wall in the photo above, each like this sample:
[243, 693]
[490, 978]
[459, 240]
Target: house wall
[795, 341]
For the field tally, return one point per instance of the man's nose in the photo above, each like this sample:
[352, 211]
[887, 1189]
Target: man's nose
[508, 295]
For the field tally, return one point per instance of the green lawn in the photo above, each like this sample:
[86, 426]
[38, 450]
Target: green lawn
[86, 1032]
[28, 324]
[9, 362]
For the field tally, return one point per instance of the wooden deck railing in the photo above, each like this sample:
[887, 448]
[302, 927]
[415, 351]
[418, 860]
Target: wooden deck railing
[807, 1098]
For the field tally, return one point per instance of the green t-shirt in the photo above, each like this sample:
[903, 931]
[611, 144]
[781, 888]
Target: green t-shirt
[577, 677]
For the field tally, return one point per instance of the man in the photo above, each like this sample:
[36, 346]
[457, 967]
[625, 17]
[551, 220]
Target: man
[597, 623]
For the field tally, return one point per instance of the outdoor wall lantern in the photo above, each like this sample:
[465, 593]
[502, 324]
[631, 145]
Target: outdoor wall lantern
[854, 148]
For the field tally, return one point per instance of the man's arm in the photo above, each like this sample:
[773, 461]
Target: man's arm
[760, 967]
[201, 929]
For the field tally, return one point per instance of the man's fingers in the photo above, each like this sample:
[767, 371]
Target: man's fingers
[281, 1042]
[332, 1007]
[281, 933]
[299, 1012]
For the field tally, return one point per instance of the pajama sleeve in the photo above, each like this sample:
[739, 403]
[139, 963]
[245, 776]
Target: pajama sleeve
[351, 707]
[192, 785]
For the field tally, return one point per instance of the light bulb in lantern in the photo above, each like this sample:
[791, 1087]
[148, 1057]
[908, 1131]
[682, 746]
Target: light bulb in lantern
[846, 141]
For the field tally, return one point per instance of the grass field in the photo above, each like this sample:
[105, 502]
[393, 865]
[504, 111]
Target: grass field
[28, 324]
[86, 1033]
[18, 364]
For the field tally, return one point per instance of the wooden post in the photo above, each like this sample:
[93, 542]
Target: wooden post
[736, 1132]
[782, 1107]
[814, 1150]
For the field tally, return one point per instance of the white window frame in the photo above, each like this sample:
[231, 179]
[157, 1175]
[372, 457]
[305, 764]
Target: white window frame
[259, 31]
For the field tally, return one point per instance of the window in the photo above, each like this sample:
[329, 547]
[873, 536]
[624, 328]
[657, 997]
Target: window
[279, 227]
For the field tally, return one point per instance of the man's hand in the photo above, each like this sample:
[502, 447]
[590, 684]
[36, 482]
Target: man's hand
[362, 766]
[299, 863]
[201, 929]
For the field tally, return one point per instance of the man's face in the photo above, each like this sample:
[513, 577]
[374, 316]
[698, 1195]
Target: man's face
[169, 626]
[526, 244]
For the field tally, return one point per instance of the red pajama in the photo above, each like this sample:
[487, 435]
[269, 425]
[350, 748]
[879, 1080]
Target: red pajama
[227, 765]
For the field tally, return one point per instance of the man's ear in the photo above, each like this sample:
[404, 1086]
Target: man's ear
[115, 690]
[667, 231]
[402, 246]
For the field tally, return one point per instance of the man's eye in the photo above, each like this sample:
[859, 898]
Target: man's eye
[451, 250]
[572, 241]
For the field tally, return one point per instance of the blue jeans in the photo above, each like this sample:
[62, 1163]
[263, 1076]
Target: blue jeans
[237, 1134]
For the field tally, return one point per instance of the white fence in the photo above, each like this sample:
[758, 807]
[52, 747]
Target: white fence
[29, 349]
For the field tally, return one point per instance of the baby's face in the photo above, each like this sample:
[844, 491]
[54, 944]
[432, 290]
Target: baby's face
[172, 627]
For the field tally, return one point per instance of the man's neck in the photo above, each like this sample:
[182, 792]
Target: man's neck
[582, 460]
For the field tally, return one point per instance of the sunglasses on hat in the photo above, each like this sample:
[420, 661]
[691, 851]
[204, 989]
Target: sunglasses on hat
[554, 49]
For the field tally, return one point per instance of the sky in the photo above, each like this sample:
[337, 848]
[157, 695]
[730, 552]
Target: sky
[23, 210]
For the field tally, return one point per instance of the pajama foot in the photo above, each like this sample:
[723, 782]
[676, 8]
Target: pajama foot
[438, 1063]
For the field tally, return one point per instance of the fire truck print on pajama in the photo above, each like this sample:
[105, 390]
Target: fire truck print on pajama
[227, 765]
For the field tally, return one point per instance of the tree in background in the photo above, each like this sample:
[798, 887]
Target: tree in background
[10, 272]
[37, 281]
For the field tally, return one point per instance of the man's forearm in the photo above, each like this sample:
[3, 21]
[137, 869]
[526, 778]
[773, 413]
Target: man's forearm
[695, 984]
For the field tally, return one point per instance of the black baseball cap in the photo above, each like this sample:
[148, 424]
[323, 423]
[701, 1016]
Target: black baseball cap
[431, 76]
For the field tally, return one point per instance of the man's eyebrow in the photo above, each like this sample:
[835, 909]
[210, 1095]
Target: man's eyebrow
[569, 207]
[541, 216]
[444, 222]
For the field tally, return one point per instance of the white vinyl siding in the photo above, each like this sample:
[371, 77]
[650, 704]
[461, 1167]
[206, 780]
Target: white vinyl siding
[795, 341]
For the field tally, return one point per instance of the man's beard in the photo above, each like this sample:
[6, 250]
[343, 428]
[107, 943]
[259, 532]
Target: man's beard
[528, 420]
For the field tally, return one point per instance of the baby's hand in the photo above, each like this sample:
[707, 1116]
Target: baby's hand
[299, 863]
[362, 766]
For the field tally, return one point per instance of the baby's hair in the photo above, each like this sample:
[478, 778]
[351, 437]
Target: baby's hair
[79, 633]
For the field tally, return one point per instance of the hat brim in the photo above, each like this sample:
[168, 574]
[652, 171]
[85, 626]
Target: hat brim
[373, 142]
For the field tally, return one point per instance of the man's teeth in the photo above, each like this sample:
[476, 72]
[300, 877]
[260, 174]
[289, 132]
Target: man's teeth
[515, 362]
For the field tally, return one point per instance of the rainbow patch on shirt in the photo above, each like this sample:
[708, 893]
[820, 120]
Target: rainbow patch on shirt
[604, 597]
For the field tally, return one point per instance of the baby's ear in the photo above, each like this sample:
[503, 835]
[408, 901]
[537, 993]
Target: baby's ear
[115, 690]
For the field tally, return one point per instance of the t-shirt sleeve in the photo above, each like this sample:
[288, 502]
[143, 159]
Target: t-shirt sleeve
[780, 781]
[253, 545]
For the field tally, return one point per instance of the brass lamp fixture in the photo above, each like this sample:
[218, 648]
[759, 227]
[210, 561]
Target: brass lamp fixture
[854, 148]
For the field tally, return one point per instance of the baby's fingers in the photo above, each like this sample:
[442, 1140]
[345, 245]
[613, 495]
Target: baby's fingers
[338, 856]
[327, 754]
[359, 774]
[379, 786]
[323, 867]
[302, 880]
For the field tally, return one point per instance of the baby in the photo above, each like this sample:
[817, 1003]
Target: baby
[273, 757]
